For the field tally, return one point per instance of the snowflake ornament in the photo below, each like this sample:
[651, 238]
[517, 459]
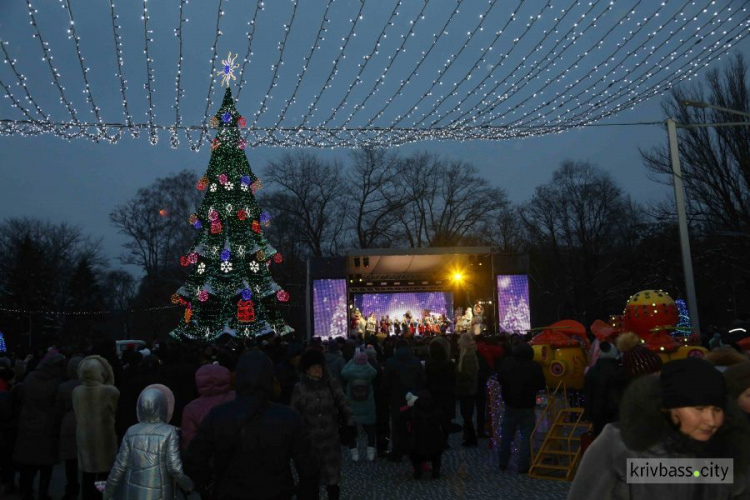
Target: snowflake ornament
[201, 268]
[227, 71]
[243, 187]
[213, 187]
[229, 186]
[254, 267]
[226, 266]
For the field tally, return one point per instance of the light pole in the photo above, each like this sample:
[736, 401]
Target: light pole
[679, 197]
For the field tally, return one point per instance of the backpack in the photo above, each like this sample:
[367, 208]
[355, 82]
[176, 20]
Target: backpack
[359, 390]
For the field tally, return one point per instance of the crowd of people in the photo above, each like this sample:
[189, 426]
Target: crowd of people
[273, 418]
[228, 422]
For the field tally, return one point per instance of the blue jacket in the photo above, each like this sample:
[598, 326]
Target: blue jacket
[364, 411]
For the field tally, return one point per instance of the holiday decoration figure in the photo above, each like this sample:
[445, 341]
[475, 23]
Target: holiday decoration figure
[477, 321]
[359, 324]
[230, 289]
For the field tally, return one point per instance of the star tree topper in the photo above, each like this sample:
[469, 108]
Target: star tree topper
[228, 71]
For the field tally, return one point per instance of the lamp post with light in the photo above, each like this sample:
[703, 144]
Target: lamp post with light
[679, 196]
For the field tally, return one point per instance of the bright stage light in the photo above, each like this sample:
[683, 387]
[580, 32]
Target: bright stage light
[457, 276]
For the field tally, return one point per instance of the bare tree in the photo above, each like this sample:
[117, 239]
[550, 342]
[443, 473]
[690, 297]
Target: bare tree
[447, 203]
[375, 196]
[715, 161]
[313, 199]
[155, 222]
[575, 221]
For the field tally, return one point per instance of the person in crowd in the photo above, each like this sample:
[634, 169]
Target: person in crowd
[636, 359]
[488, 354]
[381, 401]
[737, 377]
[214, 386]
[426, 431]
[403, 373]
[246, 445]
[467, 372]
[321, 402]
[95, 405]
[335, 361]
[8, 426]
[440, 373]
[359, 376]
[106, 347]
[148, 463]
[67, 419]
[144, 374]
[683, 412]
[286, 371]
[36, 446]
[604, 385]
[178, 373]
[520, 378]
[725, 356]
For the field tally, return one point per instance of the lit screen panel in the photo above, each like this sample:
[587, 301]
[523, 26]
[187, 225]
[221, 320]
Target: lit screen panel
[514, 314]
[329, 308]
[395, 305]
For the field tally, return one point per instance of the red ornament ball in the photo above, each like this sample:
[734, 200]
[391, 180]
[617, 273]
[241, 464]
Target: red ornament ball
[241, 214]
[278, 258]
[282, 295]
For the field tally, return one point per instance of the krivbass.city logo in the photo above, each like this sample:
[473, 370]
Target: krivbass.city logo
[680, 470]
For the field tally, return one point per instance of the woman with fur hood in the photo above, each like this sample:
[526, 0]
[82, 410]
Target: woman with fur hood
[95, 406]
[684, 412]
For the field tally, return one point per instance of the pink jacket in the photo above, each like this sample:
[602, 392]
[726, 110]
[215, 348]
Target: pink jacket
[213, 383]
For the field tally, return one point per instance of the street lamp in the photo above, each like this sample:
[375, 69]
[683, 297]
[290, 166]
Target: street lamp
[679, 196]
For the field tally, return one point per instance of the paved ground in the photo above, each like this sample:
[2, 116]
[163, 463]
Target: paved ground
[466, 473]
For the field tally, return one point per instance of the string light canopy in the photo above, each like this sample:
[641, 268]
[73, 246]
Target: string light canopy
[339, 73]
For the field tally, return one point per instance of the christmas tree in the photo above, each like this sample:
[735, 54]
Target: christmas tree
[229, 288]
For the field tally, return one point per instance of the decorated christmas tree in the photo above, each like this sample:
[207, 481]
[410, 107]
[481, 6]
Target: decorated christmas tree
[229, 288]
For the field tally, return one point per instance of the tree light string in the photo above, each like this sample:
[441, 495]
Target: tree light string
[551, 66]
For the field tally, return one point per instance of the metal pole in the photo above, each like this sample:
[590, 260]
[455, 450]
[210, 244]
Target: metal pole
[308, 302]
[679, 198]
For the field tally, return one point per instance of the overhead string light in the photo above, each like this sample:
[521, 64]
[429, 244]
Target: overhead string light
[275, 67]
[153, 136]
[319, 37]
[549, 67]
[668, 66]
[313, 107]
[425, 54]
[362, 65]
[73, 35]
[467, 77]
[438, 81]
[21, 83]
[391, 61]
[249, 35]
[205, 132]
[633, 83]
[120, 62]
[173, 138]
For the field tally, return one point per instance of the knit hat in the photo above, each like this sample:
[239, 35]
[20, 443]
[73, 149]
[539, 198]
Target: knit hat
[636, 359]
[608, 351]
[692, 382]
[738, 378]
[309, 358]
[360, 358]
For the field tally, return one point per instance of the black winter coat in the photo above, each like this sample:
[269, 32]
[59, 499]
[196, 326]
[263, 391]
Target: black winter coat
[236, 455]
[521, 378]
[603, 388]
[403, 373]
[441, 382]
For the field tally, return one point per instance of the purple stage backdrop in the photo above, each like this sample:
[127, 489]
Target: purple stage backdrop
[329, 308]
[396, 304]
[513, 302]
